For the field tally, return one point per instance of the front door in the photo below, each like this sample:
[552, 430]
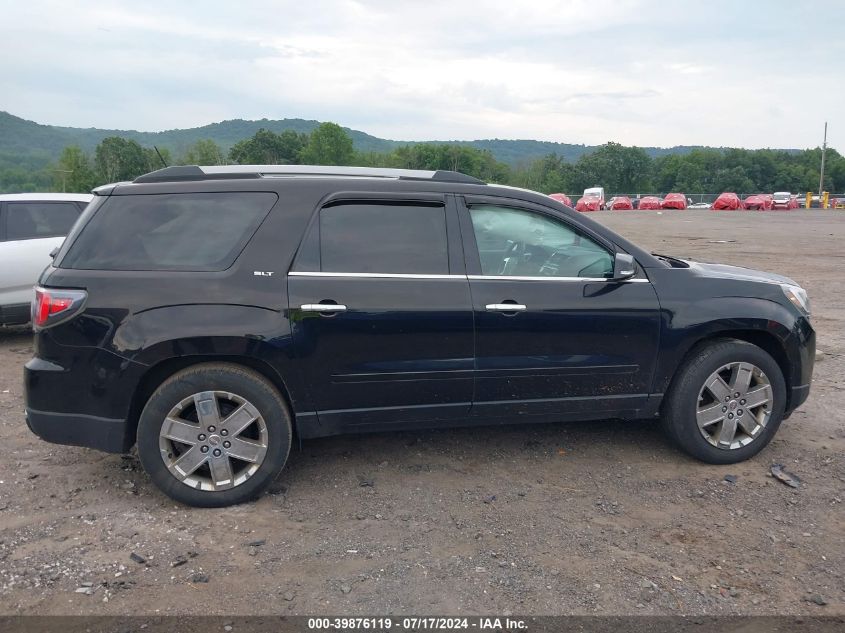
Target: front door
[554, 335]
[381, 313]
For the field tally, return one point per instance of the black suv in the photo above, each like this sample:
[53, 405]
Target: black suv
[211, 314]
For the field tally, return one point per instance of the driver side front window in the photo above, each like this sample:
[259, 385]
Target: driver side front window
[518, 243]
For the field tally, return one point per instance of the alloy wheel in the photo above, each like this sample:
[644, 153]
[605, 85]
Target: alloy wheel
[734, 405]
[213, 440]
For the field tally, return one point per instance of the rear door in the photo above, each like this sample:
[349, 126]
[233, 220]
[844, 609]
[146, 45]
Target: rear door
[32, 230]
[381, 311]
[554, 335]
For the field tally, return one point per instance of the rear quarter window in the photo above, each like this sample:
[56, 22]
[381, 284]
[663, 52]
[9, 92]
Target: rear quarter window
[34, 220]
[179, 232]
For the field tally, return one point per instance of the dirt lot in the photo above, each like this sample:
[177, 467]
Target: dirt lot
[593, 518]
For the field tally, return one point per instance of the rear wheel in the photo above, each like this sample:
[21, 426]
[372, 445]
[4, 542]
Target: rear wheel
[726, 402]
[214, 435]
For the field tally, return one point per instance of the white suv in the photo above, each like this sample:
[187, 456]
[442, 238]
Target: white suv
[31, 226]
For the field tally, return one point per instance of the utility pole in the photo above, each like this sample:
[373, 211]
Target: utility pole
[64, 173]
[821, 176]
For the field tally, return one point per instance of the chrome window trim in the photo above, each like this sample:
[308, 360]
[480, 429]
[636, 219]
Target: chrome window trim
[525, 278]
[469, 277]
[299, 273]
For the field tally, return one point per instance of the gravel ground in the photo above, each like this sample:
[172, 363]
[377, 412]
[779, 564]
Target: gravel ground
[591, 518]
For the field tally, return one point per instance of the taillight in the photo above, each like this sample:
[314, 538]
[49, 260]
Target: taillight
[53, 305]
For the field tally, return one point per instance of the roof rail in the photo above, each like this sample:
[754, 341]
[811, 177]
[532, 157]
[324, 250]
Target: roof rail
[195, 172]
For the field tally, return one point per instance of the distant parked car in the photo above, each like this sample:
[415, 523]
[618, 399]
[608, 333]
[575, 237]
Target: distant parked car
[727, 202]
[782, 200]
[32, 225]
[755, 202]
[596, 192]
[589, 203]
[837, 203]
[621, 203]
[675, 201]
[561, 197]
[759, 202]
[650, 203]
[699, 205]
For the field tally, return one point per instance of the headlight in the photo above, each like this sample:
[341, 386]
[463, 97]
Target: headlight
[798, 296]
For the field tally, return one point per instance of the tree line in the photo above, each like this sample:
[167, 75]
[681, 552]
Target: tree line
[618, 168]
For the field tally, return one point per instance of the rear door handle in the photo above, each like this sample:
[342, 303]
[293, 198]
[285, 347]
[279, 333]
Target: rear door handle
[322, 307]
[506, 307]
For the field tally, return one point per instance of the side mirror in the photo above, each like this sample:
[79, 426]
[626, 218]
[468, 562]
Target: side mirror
[54, 252]
[623, 267]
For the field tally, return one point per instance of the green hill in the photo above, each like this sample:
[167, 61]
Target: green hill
[28, 145]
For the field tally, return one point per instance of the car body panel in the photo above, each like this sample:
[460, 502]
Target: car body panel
[730, 304]
[354, 376]
[525, 366]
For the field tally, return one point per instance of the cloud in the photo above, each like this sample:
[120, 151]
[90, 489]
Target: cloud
[686, 68]
[584, 71]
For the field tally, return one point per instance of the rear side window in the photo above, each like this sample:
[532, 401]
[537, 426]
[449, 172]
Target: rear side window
[33, 220]
[384, 238]
[186, 231]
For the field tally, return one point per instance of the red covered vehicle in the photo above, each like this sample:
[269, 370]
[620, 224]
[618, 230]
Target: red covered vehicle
[621, 203]
[759, 202]
[588, 203]
[675, 201]
[650, 203]
[727, 202]
[561, 197]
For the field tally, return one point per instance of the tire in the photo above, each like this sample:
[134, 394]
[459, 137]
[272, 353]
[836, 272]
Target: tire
[689, 401]
[255, 454]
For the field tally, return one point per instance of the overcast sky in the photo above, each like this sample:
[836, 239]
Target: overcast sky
[763, 73]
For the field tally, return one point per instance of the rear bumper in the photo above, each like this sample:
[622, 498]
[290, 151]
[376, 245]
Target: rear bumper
[17, 314]
[103, 434]
[79, 406]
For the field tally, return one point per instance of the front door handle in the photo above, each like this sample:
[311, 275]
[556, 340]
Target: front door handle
[506, 307]
[322, 307]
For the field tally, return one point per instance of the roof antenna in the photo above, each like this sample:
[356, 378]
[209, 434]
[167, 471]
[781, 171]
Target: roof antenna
[160, 157]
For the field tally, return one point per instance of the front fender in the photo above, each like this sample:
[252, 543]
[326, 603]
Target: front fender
[686, 324]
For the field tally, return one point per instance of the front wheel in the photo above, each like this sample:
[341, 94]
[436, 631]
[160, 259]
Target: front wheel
[726, 402]
[214, 435]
